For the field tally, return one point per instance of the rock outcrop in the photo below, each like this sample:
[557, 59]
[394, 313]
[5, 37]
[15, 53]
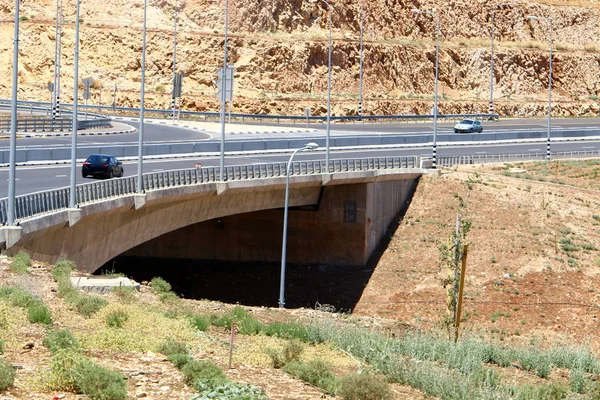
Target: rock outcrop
[280, 52]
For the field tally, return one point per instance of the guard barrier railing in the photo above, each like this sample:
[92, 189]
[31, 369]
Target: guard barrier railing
[30, 205]
[448, 161]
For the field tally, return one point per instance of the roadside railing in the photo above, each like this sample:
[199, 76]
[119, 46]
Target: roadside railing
[448, 161]
[30, 205]
[211, 115]
[43, 123]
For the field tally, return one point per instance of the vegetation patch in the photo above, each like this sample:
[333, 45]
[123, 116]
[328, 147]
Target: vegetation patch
[21, 263]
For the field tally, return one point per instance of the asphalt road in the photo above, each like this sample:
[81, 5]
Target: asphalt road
[38, 178]
[154, 133]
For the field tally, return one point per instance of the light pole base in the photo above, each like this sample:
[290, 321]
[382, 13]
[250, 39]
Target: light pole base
[10, 235]
[139, 200]
[74, 215]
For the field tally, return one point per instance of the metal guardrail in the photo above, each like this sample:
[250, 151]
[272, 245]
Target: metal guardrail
[449, 161]
[39, 123]
[268, 117]
[33, 204]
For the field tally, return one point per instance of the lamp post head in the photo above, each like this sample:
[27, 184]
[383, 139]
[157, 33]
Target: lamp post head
[311, 146]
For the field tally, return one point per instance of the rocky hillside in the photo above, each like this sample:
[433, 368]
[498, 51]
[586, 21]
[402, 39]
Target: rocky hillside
[279, 48]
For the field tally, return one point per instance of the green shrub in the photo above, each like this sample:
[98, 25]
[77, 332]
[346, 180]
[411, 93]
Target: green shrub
[551, 391]
[7, 375]
[20, 298]
[62, 369]
[170, 347]
[237, 314]
[204, 371]
[38, 313]
[116, 319]
[21, 263]
[159, 285]
[67, 291]
[179, 359]
[364, 386]
[293, 330]
[168, 297]
[98, 382]
[60, 339]
[200, 322]
[62, 270]
[1, 346]
[125, 293]
[292, 350]
[317, 372]
[229, 391]
[89, 305]
[577, 380]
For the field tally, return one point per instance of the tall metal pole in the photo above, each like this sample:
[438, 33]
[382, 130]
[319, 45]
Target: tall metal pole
[224, 96]
[360, 86]
[72, 193]
[13, 123]
[491, 105]
[435, 106]
[328, 91]
[549, 94]
[53, 95]
[535, 18]
[308, 146]
[58, 63]
[140, 184]
[174, 60]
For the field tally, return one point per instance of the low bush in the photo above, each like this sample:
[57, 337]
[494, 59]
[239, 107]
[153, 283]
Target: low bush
[98, 382]
[67, 291]
[116, 319]
[229, 391]
[1, 346]
[89, 305]
[62, 370]
[317, 372]
[159, 285]
[168, 298]
[38, 313]
[364, 386]
[21, 263]
[170, 347]
[292, 350]
[7, 375]
[62, 269]
[19, 297]
[179, 359]
[204, 371]
[125, 294]
[60, 339]
[200, 322]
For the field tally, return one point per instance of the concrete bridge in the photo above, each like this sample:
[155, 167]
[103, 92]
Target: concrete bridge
[335, 218]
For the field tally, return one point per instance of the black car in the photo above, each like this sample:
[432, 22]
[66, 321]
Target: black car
[102, 165]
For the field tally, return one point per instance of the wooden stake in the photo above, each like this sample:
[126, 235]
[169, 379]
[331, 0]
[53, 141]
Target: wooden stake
[231, 343]
[461, 288]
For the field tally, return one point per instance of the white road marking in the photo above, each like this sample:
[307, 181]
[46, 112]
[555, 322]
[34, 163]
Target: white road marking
[158, 169]
[534, 150]
[589, 147]
[481, 152]
[60, 176]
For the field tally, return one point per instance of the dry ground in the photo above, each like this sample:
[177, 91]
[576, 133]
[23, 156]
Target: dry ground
[532, 275]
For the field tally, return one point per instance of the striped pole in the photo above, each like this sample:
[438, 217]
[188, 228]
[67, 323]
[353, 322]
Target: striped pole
[434, 152]
[173, 107]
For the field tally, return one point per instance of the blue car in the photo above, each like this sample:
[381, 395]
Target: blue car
[102, 166]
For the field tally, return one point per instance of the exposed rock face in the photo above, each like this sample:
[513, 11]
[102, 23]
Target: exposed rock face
[280, 50]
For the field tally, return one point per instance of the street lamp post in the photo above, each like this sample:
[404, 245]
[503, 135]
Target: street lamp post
[549, 20]
[140, 184]
[174, 60]
[308, 146]
[328, 129]
[360, 86]
[224, 96]
[493, 12]
[72, 193]
[13, 123]
[437, 69]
